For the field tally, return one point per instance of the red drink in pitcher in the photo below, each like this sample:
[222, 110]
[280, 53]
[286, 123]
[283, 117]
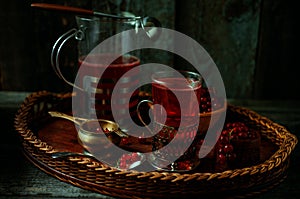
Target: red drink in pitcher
[98, 80]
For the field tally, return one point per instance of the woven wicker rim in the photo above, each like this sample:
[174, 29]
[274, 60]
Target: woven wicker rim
[277, 133]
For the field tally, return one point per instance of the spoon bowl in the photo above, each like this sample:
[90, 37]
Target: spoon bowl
[93, 133]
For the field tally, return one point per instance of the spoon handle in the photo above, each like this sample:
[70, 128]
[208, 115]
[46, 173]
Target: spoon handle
[75, 10]
[67, 153]
[56, 7]
[65, 116]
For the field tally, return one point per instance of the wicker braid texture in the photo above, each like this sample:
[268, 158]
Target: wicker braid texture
[92, 175]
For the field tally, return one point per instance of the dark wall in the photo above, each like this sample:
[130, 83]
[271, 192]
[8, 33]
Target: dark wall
[278, 51]
[253, 42]
[27, 36]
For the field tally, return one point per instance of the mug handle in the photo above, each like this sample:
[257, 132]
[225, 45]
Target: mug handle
[150, 103]
[79, 35]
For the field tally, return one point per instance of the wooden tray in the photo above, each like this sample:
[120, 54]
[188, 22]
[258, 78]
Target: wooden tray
[42, 135]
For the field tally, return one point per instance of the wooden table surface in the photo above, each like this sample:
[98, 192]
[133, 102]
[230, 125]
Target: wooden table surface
[21, 179]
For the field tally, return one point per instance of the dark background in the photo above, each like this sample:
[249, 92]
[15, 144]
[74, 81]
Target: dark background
[253, 42]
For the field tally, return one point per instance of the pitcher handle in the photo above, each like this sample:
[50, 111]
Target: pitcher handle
[78, 34]
[139, 114]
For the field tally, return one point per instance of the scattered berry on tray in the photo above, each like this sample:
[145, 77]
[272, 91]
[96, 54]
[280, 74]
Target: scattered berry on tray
[235, 140]
[129, 161]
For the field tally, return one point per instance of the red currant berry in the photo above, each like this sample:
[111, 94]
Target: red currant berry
[225, 132]
[228, 148]
[123, 164]
[243, 135]
[124, 141]
[223, 139]
[221, 159]
[134, 157]
[231, 156]
[186, 165]
[220, 150]
[233, 136]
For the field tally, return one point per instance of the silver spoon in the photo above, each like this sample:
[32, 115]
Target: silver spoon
[67, 153]
[149, 24]
[110, 125]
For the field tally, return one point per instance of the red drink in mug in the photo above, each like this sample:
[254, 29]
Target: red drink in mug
[178, 118]
[165, 96]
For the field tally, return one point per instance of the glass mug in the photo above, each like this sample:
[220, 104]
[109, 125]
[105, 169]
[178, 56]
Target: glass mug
[94, 93]
[174, 126]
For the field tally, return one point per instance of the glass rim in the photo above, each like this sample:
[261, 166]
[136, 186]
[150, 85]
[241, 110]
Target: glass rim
[165, 74]
[104, 19]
